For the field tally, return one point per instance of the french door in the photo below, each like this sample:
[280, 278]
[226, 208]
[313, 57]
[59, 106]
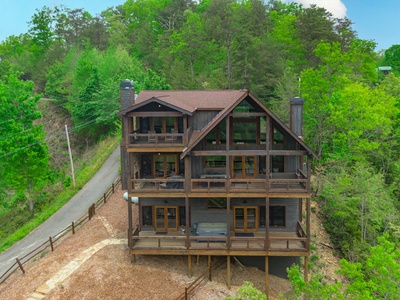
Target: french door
[245, 218]
[166, 217]
[165, 165]
[244, 167]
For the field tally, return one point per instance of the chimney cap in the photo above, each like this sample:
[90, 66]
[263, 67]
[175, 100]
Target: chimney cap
[126, 84]
[297, 100]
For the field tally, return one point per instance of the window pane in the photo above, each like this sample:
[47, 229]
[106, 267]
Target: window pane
[216, 203]
[147, 215]
[277, 216]
[170, 124]
[215, 162]
[278, 137]
[158, 124]
[244, 131]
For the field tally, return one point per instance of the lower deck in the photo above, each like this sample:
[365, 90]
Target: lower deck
[239, 243]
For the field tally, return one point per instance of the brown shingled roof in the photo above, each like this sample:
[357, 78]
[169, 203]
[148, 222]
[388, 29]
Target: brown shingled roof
[194, 100]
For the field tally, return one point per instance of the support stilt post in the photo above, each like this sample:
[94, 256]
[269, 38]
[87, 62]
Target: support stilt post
[190, 265]
[306, 268]
[228, 271]
[266, 277]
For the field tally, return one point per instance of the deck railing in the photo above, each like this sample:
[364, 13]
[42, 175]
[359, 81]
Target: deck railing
[253, 243]
[211, 185]
[136, 139]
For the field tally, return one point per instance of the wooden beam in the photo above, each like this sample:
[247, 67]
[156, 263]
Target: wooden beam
[306, 268]
[249, 152]
[308, 224]
[266, 277]
[161, 148]
[159, 194]
[154, 114]
[267, 242]
[248, 114]
[228, 271]
[216, 252]
[187, 228]
[190, 265]
[228, 222]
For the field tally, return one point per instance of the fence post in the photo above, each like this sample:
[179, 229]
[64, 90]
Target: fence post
[113, 187]
[51, 244]
[104, 198]
[186, 293]
[20, 265]
[73, 228]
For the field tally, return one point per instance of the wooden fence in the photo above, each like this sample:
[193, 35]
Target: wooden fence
[19, 262]
[193, 287]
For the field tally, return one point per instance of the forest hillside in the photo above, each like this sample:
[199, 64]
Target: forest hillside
[276, 50]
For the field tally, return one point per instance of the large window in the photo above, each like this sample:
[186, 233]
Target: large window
[277, 216]
[278, 163]
[147, 216]
[217, 136]
[244, 131]
[216, 203]
[215, 162]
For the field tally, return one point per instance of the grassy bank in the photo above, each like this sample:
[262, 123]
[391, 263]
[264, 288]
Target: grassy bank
[98, 155]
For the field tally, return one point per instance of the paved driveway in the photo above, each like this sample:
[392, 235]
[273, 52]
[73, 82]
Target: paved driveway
[71, 211]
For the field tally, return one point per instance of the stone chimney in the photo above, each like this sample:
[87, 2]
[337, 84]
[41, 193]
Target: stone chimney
[296, 116]
[127, 94]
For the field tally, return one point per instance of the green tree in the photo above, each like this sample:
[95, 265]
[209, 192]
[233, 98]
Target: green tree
[379, 277]
[392, 58]
[357, 207]
[248, 292]
[23, 150]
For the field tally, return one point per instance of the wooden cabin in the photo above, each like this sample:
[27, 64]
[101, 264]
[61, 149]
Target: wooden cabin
[215, 173]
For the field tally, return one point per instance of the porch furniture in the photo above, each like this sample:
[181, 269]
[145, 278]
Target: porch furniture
[170, 138]
[152, 138]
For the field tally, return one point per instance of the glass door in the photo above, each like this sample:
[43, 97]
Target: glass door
[244, 167]
[165, 166]
[166, 218]
[245, 218]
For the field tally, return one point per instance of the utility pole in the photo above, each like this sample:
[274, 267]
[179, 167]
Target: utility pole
[70, 156]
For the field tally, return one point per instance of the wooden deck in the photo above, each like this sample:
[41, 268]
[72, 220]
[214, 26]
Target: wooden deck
[220, 185]
[177, 243]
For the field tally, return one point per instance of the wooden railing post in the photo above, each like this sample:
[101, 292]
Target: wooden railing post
[113, 188]
[104, 198]
[51, 244]
[186, 293]
[73, 227]
[20, 265]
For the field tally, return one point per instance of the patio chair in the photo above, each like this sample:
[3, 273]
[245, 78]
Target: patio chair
[170, 138]
[152, 137]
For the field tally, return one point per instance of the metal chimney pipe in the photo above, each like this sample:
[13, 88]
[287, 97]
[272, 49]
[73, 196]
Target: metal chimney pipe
[127, 93]
[296, 116]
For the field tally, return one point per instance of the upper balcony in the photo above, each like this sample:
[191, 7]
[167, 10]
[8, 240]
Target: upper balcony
[153, 139]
